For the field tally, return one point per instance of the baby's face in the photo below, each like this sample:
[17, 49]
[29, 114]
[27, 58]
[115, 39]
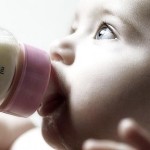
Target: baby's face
[100, 73]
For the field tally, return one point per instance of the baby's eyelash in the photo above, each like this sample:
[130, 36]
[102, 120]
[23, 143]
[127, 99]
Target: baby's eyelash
[72, 30]
[105, 31]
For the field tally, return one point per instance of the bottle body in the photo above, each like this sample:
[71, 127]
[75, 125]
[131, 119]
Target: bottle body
[25, 78]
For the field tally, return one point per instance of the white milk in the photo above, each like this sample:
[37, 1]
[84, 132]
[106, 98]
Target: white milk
[9, 53]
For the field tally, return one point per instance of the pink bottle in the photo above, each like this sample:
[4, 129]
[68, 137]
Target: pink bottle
[24, 76]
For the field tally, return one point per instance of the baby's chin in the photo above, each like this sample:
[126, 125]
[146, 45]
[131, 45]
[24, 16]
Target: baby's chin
[51, 134]
[53, 129]
[58, 131]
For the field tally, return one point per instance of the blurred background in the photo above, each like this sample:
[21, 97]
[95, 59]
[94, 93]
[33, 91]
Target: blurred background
[37, 22]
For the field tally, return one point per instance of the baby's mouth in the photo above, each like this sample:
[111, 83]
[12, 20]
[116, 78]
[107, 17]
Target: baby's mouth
[50, 105]
[54, 96]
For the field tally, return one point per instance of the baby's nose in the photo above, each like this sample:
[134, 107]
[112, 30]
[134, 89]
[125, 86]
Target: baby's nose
[63, 51]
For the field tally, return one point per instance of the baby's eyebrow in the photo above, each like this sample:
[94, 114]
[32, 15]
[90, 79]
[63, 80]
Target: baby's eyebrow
[125, 20]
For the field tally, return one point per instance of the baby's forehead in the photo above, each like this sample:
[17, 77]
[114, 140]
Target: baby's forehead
[133, 11]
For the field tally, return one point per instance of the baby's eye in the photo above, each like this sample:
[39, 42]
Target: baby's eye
[105, 32]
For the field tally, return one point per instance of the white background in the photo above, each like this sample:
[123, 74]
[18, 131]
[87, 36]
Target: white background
[37, 22]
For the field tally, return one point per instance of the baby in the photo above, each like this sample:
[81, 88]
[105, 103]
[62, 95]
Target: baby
[101, 75]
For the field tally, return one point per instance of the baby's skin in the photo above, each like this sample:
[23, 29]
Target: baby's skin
[101, 74]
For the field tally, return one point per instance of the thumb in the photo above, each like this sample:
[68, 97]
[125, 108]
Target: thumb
[134, 134]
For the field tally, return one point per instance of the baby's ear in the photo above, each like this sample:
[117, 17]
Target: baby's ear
[132, 133]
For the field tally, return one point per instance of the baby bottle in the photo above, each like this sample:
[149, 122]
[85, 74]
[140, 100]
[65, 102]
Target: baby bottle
[24, 76]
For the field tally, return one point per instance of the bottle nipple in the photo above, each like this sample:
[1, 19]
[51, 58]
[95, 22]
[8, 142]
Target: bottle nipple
[24, 76]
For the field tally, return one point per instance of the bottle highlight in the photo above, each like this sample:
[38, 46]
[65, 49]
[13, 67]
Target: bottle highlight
[24, 76]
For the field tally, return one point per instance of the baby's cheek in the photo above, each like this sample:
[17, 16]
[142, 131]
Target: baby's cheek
[87, 110]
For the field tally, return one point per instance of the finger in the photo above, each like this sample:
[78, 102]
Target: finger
[105, 145]
[135, 135]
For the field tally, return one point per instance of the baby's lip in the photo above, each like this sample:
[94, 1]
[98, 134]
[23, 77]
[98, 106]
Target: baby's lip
[50, 105]
[54, 96]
